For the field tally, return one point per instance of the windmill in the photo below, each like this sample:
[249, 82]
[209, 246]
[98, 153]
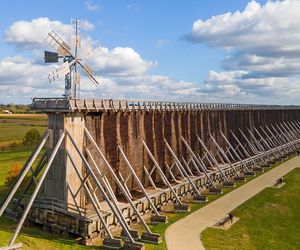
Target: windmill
[71, 61]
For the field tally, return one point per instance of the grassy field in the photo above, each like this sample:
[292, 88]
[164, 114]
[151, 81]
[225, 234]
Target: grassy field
[270, 220]
[8, 159]
[14, 127]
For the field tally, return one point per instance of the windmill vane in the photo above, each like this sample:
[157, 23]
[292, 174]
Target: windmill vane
[71, 61]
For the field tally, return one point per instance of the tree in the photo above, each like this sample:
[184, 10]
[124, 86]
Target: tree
[31, 137]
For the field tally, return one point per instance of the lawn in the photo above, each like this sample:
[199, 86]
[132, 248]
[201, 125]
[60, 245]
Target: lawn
[270, 220]
[9, 158]
[14, 127]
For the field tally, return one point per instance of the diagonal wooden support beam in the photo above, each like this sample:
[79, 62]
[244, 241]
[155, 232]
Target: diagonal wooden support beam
[214, 160]
[129, 166]
[192, 152]
[36, 190]
[182, 168]
[117, 181]
[161, 172]
[109, 197]
[224, 155]
[150, 178]
[24, 172]
[234, 151]
[92, 198]
[245, 151]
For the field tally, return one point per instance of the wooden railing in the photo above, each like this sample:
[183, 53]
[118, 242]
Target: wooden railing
[69, 105]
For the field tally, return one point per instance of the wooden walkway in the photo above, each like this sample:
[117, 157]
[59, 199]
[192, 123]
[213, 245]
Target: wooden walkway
[185, 233]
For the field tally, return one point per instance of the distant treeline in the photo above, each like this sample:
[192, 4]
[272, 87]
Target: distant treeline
[15, 108]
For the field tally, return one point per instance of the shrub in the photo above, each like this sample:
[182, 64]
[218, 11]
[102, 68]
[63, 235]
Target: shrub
[31, 137]
[12, 174]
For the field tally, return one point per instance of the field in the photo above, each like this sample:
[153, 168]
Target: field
[14, 127]
[270, 220]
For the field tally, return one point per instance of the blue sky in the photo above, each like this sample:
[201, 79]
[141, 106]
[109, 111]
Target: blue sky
[174, 61]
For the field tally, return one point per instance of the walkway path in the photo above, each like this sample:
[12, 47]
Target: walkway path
[185, 233]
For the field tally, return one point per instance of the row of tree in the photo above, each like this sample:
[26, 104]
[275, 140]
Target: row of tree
[15, 108]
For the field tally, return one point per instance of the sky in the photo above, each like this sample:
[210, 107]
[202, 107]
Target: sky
[233, 51]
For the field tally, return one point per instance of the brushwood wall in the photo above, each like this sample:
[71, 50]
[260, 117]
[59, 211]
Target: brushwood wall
[126, 129]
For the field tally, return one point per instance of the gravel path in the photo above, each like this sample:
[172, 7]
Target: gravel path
[185, 233]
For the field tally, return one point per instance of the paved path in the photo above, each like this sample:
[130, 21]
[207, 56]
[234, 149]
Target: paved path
[185, 233]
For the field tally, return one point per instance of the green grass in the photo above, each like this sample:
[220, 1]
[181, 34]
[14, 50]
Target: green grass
[14, 127]
[8, 159]
[270, 220]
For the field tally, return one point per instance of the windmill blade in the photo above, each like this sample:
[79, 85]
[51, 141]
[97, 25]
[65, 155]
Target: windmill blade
[65, 68]
[61, 71]
[89, 73]
[53, 75]
[56, 42]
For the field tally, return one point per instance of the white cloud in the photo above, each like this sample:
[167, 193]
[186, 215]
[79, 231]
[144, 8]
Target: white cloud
[90, 6]
[119, 61]
[263, 46]
[23, 80]
[31, 35]
[233, 86]
[254, 28]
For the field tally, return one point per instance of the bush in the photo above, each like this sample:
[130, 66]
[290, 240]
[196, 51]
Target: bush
[12, 174]
[32, 137]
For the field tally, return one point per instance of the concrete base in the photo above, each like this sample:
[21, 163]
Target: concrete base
[16, 246]
[151, 238]
[133, 246]
[199, 198]
[213, 190]
[249, 173]
[228, 184]
[134, 234]
[181, 208]
[240, 178]
[258, 169]
[158, 219]
[112, 243]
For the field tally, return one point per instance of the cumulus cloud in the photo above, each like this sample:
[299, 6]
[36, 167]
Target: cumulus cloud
[23, 79]
[263, 46]
[229, 86]
[119, 61]
[254, 28]
[31, 35]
